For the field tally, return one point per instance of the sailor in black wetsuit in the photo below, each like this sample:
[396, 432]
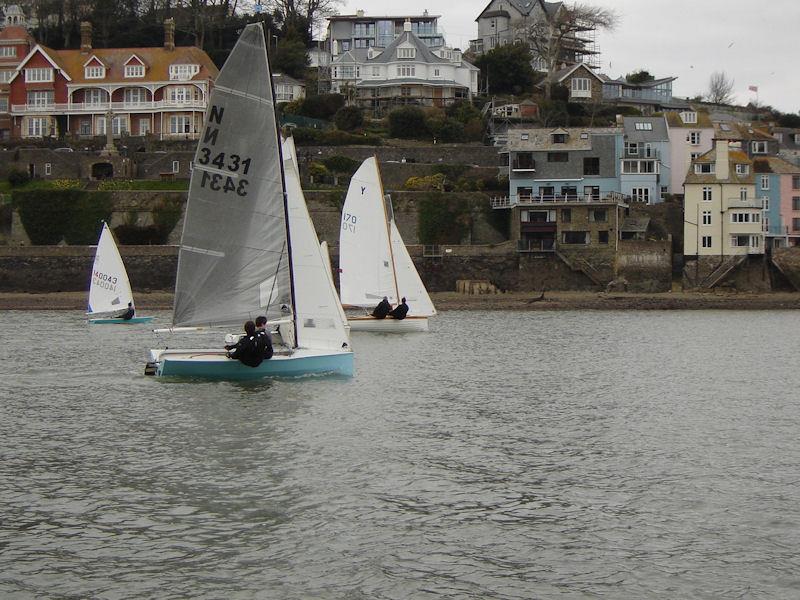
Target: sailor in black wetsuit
[400, 311]
[382, 309]
[263, 332]
[128, 315]
[249, 350]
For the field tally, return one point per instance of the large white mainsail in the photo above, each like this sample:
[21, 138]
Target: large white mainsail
[408, 280]
[233, 263]
[365, 260]
[317, 307]
[109, 290]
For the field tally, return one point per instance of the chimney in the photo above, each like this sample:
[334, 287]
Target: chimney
[722, 167]
[169, 34]
[407, 25]
[86, 37]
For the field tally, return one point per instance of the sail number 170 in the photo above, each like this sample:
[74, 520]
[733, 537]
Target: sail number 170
[349, 222]
[224, 183]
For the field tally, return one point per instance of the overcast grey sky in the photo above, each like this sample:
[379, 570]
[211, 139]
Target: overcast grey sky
[755, 43]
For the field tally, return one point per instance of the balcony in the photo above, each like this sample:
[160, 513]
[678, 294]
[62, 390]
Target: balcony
[74, 108]
[524, 246]
[745, 203]
[642, 153]
[571, 198]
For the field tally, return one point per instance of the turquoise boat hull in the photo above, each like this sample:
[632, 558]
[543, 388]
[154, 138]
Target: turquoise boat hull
[205, 364]
[117, 321]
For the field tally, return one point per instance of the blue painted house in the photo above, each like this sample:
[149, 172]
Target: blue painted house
[645, 166]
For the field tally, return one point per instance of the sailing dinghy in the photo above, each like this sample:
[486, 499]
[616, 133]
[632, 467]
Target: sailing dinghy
[248, 246]
[374, 261]
[110, 289]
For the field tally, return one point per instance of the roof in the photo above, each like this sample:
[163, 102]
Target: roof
[566, 72]
[657, 133]
[423, 53]
[381, 17]
[15, 33]
[774, 164]
[643, 84]
[524, 7]
[280, 78]
[703, 121]
[541, 139]
[734, 157]
[740, 131]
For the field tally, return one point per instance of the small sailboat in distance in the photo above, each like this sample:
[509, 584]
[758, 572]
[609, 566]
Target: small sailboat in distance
[110, 295]
[373, 260]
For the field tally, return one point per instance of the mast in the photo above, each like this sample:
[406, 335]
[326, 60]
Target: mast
[283, 188]
[388, 229]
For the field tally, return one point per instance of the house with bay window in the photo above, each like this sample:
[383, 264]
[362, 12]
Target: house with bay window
[15, 44]
[135, 91]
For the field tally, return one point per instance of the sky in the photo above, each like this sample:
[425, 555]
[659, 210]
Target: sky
[754, 43]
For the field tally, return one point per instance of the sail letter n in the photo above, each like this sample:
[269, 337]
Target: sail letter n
[214, 116]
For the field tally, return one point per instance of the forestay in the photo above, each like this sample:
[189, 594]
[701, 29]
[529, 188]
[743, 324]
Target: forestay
[365, 261]
[109, 290]
[233, 262]
[319, 317]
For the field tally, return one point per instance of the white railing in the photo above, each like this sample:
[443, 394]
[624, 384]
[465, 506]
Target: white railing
[502, 202]
[611, 197]
[98, 107]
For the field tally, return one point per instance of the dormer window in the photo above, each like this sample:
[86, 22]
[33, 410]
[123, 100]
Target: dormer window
[8, 51]
[134, 70]
[94, 72]
[559, 138]
[689, 116]
[759, 147]
[406, 52]
[183, 72]
[704, 168]
[644, 126]
[742, 169]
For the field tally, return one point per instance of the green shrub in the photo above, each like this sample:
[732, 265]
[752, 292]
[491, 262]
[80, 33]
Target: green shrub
[135, 235]
[443, 220]
[305, 136]
[408, 122]
[349, 118]
[341, 164]
[18, 177]
[89, 209]
[50, 216]
[167, 214]
[428, 182]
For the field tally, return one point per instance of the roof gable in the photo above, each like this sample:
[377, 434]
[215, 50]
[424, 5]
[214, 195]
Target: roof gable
[133, 58]
[564, 73]
[423, 53]
[49, 56]
[93, 59]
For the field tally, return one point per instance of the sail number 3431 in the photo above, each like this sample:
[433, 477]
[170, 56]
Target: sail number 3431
[224, 183]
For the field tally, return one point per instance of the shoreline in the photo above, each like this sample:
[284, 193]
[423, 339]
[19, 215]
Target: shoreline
[445, 301]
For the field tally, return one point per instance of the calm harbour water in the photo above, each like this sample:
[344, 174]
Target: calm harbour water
[501, 455]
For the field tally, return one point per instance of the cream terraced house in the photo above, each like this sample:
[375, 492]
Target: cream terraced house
[722, 215]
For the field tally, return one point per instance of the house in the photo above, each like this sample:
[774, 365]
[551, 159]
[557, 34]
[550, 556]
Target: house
[287, 89]
[563, 163]
[722, 214]
[778, 186]
[356, 33]
[645, 168]
[788, 143]
[691, 134]
[407, 71]
[582, 83]
[143, 91]
[15, 44]
[504, 22]
[753, 140]
[649, 96]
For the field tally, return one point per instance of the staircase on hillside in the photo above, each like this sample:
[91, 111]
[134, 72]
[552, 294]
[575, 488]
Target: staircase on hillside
[583, 266]
[718, 274]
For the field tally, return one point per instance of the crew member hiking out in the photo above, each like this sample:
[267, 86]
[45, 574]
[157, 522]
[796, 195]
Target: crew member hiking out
[400, 311]
[249, 350]
[382, 309]
[263, 332]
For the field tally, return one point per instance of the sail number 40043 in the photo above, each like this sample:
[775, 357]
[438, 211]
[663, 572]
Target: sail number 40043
[224, 183]
[349, 222]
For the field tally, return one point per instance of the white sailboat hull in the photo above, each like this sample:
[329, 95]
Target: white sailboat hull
[388, 325]
[213, 364]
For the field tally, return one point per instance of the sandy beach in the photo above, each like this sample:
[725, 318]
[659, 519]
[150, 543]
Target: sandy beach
[508, 301]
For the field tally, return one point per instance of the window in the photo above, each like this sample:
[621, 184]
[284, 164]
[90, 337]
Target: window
[523, 161]
[362, 43]
[183, 72]
[795, 224]
[406, 52]
[695, 155]
[575, 237]
[406, 71]
[5, 76]
[176, 166]
[598, 215]
[94, 96]
[765, 200]
[405, 92]
[742, 169]
[559, 138]
[524, 193]
[364, 30]
[602, 237]
[40, 98]
[745, 241]
[779, 137]
[557, 157]
[795, 202]
[85, 127]
[765, 182]
[3, 104]
[694, 138]
[741, 217]
[180, 124]
[591, 165]
[759, 147]
[581, 87]
[345, 44]
[8, 51]
[38, 74]
[135, 96]
[689, 117]
[796, 182]
[706, 194]
[180, 95]
[524, 137]
[566, 215]
[742, 193]
[644, 126]
[569, 191]
[640, 195]
[38, 126]
[704, 168]
[48, 168]
[706, 241]
[134, 70]
[632, 148]
[706, 217]
[436, 73]
[638, 166]
[376, 71]
[144, 127]
[94, 72]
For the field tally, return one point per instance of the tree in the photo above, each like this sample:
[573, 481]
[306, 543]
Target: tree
[302, 15]
[407, 122]
[639, 76]
[348, 118]
[290, 57]
[507, 69]
[550, 35]
[720, 88]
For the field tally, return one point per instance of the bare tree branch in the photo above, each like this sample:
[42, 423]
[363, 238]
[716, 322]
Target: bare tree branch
[720, 88]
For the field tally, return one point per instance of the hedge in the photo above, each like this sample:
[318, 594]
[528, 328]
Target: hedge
[73, 215]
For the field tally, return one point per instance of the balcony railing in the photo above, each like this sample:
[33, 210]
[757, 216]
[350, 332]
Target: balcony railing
[99, 107]
[536, 245]
[642, 153]
[501, 202]
[566, 198]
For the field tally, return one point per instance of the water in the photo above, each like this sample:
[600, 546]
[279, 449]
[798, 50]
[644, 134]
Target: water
[502, 455]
